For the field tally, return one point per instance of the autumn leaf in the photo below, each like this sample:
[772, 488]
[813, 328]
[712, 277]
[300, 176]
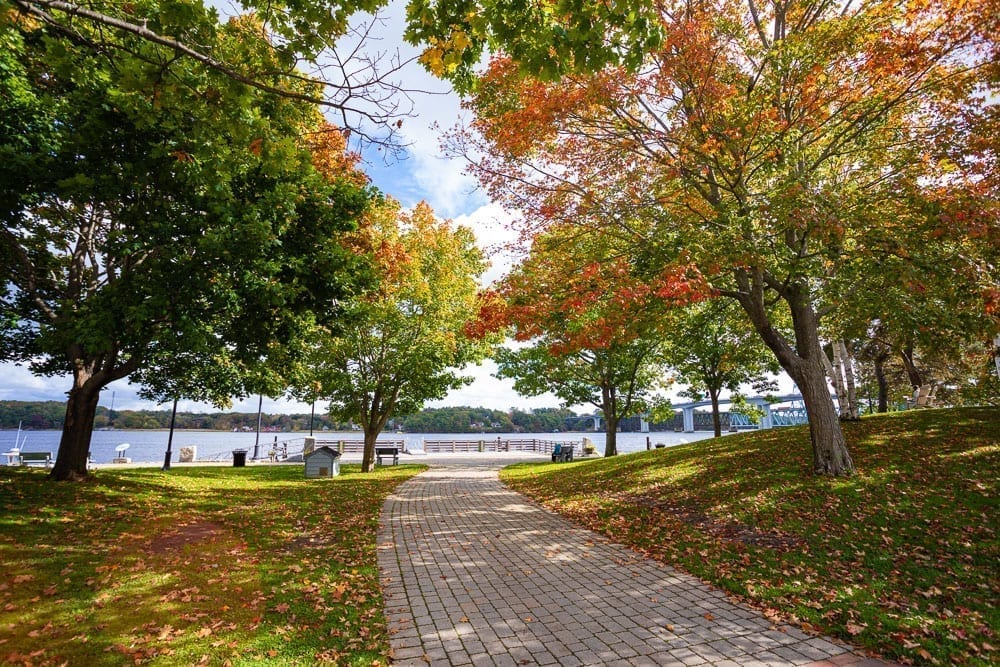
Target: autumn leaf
[855, 628]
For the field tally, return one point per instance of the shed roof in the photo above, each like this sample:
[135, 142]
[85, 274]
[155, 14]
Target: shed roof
[329, 451]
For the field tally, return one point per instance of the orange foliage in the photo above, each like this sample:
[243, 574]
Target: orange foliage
[589, 307]
[330, 157]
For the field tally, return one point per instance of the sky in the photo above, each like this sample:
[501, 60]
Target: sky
[422, 174]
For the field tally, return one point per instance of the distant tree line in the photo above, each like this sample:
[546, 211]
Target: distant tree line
[50, 415]
[41, 415]
[483, 420]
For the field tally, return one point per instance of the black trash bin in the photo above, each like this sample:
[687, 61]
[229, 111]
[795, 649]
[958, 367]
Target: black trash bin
[239, 458]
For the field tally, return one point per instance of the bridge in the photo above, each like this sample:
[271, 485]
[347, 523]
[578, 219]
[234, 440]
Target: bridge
[793, 415]
[772, 417]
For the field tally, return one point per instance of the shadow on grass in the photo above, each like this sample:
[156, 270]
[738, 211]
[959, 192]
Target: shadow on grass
[900, 557]
[241, 565]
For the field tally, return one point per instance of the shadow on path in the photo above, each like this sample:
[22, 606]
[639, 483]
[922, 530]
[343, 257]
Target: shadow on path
[474, 574]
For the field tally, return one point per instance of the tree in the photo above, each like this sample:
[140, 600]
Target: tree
[592, 324]
[160, 223]
[405, 342]
[777, 146]
[712, 348]
[329, 48]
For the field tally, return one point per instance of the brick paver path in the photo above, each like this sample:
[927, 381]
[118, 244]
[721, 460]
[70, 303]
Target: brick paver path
[474, 574]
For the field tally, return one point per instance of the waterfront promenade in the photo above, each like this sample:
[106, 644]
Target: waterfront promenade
[475, 574]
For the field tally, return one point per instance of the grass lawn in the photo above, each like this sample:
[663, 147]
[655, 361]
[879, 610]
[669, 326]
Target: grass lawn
[201, 565]
[902, 559]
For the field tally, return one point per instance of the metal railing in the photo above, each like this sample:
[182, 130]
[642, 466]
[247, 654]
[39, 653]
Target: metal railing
[497, 445]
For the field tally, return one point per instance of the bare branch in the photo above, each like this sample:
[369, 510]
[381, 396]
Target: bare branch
[359, 84]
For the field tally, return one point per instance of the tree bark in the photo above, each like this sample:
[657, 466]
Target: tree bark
[716, 417]
[802, 363]
[78, 427]
[611, 436]
[834, 372]
[368, 457]
[609, 407]
[847, 360]
[830, 456]
[912, 372]
[883, 383]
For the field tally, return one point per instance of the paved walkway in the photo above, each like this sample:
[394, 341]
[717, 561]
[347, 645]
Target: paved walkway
[474, 574]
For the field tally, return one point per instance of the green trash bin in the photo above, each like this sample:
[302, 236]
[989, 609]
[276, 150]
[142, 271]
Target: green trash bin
[239, 458]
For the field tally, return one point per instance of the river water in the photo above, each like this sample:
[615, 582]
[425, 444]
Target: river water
[151, 446]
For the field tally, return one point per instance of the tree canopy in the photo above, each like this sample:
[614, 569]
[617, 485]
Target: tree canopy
[161, 221]
[309, 51]
[406, 343]
[782, 149]
[592, 323]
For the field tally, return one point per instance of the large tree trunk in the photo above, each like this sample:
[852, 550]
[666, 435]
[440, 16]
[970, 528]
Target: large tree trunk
[374, 418]
[803, 364]
[716, 417]
[847, 361]
[74, 444]
[609, 406]
[368, 458]
[835, 373]
[883, 383]
[912, 372]
[830, 456]
[611, 437]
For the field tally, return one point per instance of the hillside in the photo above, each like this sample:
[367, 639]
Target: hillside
[901, 559]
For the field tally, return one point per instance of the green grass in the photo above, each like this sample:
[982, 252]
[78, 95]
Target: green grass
[902, 559]
[206, 565]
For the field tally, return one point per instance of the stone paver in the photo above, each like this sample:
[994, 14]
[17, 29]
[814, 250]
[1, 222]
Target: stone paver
[475, 574]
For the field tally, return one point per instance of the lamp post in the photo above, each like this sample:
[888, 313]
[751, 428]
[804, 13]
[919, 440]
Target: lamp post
[312, 413]
[170, 437]
[256, 444]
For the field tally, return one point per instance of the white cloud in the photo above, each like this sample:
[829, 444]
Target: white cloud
[425, 174]
[491, 392]
[491, 225]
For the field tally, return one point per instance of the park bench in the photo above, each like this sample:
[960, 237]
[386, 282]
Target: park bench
[923, 397]
[386, 452]
[36, 458]
[562, 453]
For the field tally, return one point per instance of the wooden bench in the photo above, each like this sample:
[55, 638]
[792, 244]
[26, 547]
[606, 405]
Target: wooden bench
[386, 452]
[36, 458]
[923, 397]
[562, 453]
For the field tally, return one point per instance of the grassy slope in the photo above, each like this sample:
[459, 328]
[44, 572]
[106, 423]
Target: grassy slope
[903, 558]
[214, 565]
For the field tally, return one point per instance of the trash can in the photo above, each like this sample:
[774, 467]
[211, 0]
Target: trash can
[239, 458]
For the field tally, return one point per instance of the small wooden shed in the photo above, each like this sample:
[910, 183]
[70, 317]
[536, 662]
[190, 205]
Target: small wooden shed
[322, 462]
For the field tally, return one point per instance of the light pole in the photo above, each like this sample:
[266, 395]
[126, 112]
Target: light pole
[170, 437]
[312, 413]
[256, 444]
